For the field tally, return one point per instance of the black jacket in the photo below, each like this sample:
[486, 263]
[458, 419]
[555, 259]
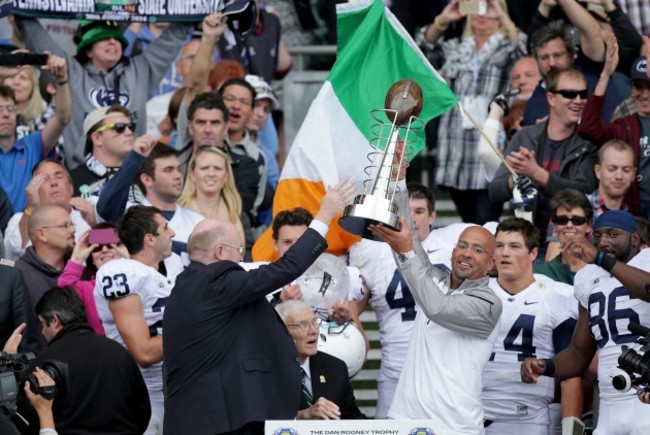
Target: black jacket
[229, 358]
[330, 379]
[15, 308]
[104, 392]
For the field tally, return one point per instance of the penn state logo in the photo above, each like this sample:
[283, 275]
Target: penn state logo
[101, 97]
[421, 431]
[286, 431]
[642, 66]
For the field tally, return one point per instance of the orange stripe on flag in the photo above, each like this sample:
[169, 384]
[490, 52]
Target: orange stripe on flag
[298, 192]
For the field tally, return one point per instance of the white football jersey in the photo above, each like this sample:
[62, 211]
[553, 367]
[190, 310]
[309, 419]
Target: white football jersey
[124, 277]
[532, 322]
[611, 308]
[390, 296]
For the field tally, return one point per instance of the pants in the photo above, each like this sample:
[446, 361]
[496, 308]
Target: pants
[625, 417]
[511, 428]
[385, 393]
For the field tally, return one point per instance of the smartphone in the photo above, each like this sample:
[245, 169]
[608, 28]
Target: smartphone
[468, 7]
[105, 236]
[18, 59]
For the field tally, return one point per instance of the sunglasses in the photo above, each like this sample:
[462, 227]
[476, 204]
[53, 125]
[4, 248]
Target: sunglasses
[571, 94]
[575, 220]
[119, 127]
[99, 248]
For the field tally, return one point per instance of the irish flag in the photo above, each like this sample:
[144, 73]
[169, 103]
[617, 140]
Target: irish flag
[374, 51]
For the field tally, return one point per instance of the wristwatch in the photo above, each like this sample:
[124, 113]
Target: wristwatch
[403, 257]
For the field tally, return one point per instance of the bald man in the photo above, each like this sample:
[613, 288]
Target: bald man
[454, 333]
[231, 363]
[51, 231]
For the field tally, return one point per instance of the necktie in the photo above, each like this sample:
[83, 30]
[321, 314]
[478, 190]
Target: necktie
[305, 391]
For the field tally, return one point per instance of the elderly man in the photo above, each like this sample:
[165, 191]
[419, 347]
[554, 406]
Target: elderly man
[326, 389]
[612, 293]
[454, 333]
[231, 364]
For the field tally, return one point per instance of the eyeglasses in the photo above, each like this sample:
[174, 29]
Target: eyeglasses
[119, 127]
[66, 226]
[575, 220]
[232, 99]
[571, 94]
[304, 326]
[479, 250]
[9, 108]
[239, 248]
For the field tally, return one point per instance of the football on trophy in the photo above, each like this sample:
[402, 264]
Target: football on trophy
[404, 97]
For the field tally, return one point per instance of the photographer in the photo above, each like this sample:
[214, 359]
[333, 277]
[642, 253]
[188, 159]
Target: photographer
[99, 384]
[42, 405]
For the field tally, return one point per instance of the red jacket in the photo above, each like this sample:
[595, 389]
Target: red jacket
[627, 129]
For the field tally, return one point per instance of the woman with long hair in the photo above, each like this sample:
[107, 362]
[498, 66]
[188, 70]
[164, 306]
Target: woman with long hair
[33, 111]
[210, 187]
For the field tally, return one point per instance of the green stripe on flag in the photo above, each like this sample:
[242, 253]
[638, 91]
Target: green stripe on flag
[373, 54]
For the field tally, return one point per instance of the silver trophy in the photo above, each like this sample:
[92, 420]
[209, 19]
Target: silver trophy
[394, 125]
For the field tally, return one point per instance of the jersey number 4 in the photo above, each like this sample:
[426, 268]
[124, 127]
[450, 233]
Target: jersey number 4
[115, 287]
[603, 316]
[406, 301]
[523, 327]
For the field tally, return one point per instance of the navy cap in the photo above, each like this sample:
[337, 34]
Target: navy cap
[639, 70]
[242, 15]
[616, 219]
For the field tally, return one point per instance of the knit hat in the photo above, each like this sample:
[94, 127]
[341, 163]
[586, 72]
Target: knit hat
[90, 32]
[619, 219]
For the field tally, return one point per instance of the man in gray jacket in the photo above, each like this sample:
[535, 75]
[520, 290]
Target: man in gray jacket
[102, 76]
[455, 332]
[551, 154]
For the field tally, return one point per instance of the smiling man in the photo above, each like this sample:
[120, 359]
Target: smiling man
[611, 292]
[551, 154]
[454, 333]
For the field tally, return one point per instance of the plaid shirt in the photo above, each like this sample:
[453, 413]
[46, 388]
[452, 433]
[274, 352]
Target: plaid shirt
[459, 165]
[638, 11]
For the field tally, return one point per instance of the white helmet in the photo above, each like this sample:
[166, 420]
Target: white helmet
[344, 342]
[326, 281]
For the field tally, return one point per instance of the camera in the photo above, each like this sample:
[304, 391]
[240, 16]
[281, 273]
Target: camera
[20, 59]
[503, 99]
[13, 369]
[634, 366]
[16, 368]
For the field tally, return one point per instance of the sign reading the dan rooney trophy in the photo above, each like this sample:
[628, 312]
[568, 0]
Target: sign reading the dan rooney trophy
[116, 10]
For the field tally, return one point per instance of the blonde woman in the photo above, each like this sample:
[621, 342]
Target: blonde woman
[210, 187]
[33, 111]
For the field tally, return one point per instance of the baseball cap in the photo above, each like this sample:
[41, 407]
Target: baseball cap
[263, 90]
[97, 116]
[639, 70]
[242, 15]
[619, 219]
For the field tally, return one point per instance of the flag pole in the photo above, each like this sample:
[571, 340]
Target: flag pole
[488, 140]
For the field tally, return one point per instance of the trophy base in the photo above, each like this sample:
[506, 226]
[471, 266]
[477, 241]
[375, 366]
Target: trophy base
[369, 210]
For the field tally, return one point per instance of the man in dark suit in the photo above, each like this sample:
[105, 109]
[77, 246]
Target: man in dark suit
[326, 390]
[230, 361]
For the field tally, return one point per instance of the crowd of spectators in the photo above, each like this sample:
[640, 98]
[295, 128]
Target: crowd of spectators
[154, 151]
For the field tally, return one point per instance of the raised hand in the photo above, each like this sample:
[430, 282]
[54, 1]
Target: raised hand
[335, 200]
